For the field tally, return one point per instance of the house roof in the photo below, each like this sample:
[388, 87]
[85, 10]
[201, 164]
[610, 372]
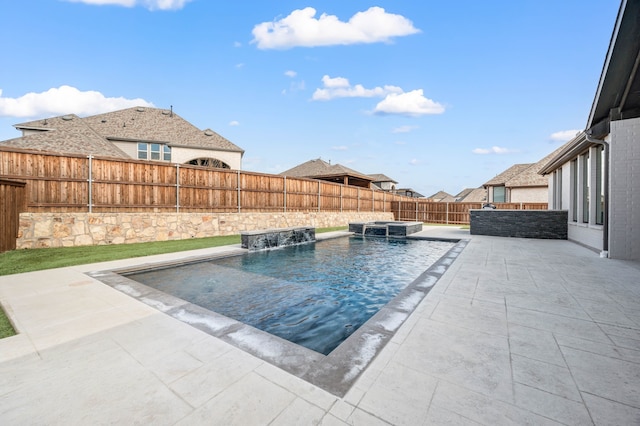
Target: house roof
[618, 93]
[471, 195]
[67, 134]
[379, 177]
[532, 176]
[442, 197]
[413, 193]
[319, 168]
[94, 134]
[508, 174]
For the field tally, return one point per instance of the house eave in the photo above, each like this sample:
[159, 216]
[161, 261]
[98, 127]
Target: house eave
[579, 145]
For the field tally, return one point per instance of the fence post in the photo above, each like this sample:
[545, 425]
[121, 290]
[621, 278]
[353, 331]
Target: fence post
[177, 188]
[285, 194]
[239, 205]
[384, 202]
[358, 200]
[318, 196]
[416, 210]
[90, 183]
[341, 198]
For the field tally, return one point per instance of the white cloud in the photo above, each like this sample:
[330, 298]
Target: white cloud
[414, 162]
[339, 87]
[411, 103]
[237, 44]
[290, 73]
[234, 123]
[301, 28]
[404, 129]
[149, 4]
[492, 150]
[240, 65]
[339, 148]
[564, 135]
[64, 100]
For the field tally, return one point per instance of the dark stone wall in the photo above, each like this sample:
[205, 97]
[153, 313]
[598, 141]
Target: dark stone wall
[544, 224]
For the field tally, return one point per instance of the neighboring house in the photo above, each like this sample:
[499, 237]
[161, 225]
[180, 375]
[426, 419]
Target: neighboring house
[322, 170]
[383, 182]
[472, 195]
[596, 177]
[408, 192]
[442, 197]
[497, 190]
[141, 133]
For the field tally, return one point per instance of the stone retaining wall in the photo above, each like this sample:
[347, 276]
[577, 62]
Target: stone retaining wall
[39, 230]
[546, 224]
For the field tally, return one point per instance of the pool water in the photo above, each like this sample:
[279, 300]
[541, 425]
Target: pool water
[314, 295]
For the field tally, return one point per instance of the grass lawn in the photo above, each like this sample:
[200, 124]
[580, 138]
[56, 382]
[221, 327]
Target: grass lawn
[6, 329]
[19, 261]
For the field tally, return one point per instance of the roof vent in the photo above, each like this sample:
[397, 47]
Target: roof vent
[140, 109]
[165, 112]
[208, 132]
[67, 117]
[103, 121]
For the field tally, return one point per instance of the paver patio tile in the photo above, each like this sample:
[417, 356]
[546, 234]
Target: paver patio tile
[251, 400]
[299, 412]
[400, 396]
[606, 377]
[545, 377]
[556, 324]
[473, 359]
[464, 314]
[552, 406]
[482, 408]
[535, 344]
[608, 350]
[211, 379]
[610, 413]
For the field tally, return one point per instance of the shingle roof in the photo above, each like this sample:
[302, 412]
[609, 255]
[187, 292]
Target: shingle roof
[531, 177]
[472, 195]
[92, 135]
[379, 177]
[443, 197]
[154, 124]
[508, 174]
[319, 167]
[67, 134]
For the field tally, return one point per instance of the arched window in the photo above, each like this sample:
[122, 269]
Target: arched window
[212, 163]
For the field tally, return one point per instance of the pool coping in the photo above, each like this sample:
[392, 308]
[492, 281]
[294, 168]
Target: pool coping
[335, 372]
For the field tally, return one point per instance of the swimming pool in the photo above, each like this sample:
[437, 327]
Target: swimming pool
[315, 295]
[335, 372]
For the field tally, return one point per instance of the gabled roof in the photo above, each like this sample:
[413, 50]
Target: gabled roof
[510, 173]
[409, 192]
[379, 177]
[67, 134]
[471, 195]
[532, 176]
[442, 197]
[95, 134]
[320, 168]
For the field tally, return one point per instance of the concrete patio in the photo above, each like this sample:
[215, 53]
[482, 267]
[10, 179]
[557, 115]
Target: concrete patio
[515, 332]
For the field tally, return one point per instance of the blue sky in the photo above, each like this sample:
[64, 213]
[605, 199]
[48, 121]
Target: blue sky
[438, 95]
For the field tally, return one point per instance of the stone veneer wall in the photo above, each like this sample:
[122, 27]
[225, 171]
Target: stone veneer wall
[39, 230]
[548, 224]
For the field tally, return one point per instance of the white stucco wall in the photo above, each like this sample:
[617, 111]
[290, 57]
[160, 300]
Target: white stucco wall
[529, 195]
[624, 198]
[183, 155]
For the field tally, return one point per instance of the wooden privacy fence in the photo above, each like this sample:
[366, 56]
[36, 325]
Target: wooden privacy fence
[74, 183]
[12, 202]
[449, 213]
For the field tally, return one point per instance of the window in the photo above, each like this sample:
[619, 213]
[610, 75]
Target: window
[557, 189]
[499, 194]
[154, 151]
[599, 185]
[573, 173]
[586, 179]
